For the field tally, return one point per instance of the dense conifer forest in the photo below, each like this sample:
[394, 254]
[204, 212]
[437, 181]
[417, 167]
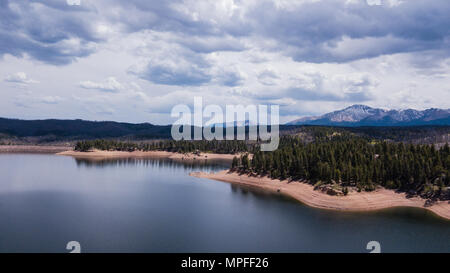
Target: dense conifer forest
[215, 146]
[344, 163]
[328, 157]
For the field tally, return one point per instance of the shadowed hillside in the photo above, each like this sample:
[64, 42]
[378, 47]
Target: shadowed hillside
[80, 129]
[53, 130]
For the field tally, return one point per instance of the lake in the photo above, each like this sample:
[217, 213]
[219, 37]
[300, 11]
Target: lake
[153, 205]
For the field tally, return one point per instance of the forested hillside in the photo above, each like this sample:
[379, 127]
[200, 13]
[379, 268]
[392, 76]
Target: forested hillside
[41, 131]
[345, 161]
[80, 129]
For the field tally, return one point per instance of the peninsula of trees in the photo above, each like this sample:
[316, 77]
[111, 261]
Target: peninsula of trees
[333, 158]
[342, 162]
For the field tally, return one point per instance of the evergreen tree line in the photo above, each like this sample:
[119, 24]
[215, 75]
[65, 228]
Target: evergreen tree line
[182, 146]
[356, 162]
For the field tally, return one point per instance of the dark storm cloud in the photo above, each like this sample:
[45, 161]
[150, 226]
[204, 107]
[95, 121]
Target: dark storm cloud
[136, 15]
[211, 44]
[317, 32]
[301, 94]
[230, 78]
[175, 66]
[267, 77]
[186, 69]
[317, 87]
[45, 30]
[309, 95]
[50, 53]
[62, 5]
[323, 31]
[169, 75]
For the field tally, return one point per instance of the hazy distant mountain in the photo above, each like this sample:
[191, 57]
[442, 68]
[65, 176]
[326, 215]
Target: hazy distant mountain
[362, 115]
[80, 129]
[233, 124]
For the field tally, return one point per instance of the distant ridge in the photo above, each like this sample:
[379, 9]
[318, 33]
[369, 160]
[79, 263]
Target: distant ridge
[354, 116]
[363, 115]
[80, 129]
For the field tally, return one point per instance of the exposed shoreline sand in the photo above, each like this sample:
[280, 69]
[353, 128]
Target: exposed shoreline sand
[354, 201]
[37, 149]
[97, 154]
[303, 192]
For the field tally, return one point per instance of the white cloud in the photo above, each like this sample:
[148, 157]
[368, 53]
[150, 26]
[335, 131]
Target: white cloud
[310, 56]
[51, 99]
[109, 85]
[268, 77]
[20, 77]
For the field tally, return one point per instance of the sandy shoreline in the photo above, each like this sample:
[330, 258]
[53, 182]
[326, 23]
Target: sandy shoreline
[97, 154]
[37, 149]
[354, 201]
[303, 192]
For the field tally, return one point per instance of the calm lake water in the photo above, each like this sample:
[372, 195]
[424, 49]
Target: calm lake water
[148, 205]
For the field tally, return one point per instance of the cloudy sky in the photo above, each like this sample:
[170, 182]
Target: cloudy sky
[134, 60]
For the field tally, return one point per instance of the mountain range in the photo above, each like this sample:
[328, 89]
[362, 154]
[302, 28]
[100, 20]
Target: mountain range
[80, 129]
[363, 115]
[353, 116]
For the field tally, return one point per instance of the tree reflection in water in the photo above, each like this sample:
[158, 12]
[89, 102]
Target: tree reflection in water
[188, 165]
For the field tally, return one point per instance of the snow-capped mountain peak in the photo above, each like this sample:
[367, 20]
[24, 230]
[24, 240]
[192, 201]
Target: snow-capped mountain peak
[360, 115]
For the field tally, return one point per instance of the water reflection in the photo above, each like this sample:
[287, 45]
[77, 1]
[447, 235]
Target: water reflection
[153, 205]
[242, 191]
[166, 163]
